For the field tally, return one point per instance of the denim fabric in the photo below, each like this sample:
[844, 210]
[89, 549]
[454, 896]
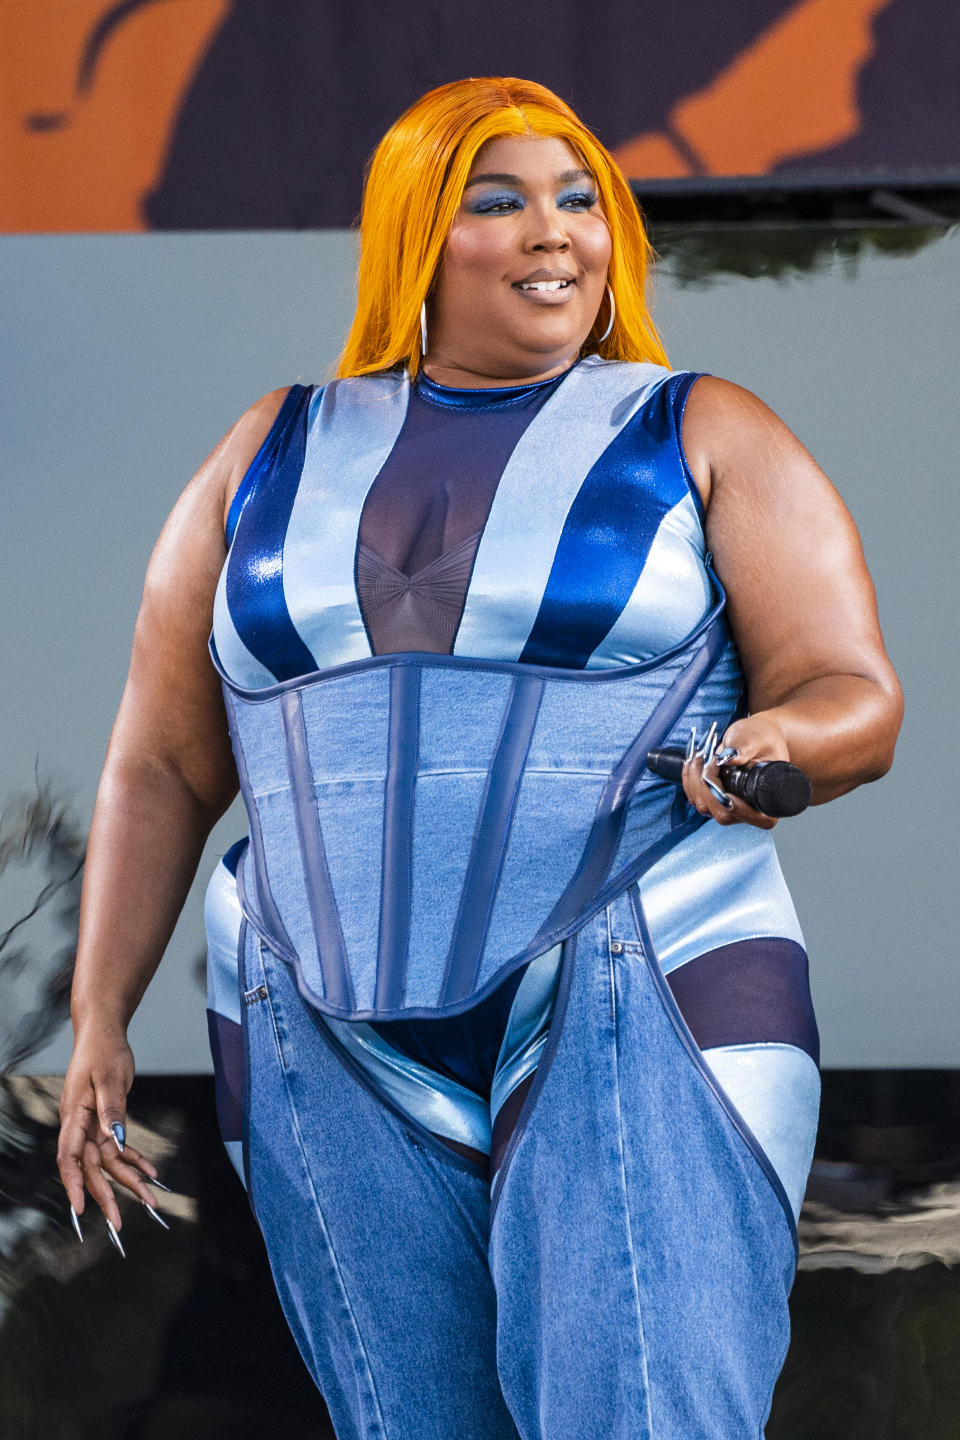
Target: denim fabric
[558, 780]
[626, 1278]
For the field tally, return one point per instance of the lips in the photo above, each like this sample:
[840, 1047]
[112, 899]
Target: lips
[544, 287]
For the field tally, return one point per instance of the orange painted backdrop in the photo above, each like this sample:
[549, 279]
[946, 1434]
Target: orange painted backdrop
[208, 113]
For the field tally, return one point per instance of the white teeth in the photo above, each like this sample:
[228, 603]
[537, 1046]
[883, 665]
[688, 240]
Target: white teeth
[544, 284]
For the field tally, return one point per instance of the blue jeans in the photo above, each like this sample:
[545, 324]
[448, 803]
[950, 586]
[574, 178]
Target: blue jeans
[629, 1275]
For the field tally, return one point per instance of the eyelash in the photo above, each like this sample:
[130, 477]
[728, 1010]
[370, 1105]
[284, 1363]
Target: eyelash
[493, 207]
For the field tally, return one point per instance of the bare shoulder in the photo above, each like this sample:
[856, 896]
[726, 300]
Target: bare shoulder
[216, 480]
[727, 430]
[189, 554]
[235, 452]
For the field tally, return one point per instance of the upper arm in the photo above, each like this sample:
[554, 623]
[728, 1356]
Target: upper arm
[172, 713]
[800, 599]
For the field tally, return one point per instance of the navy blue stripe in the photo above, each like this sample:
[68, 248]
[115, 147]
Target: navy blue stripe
[365, 1078]
[604, 837]
[403, 752]
[490, 838]
[754, 991]
[690, 1045]
[260, 463]
[465, 1047]
[268, 922]
[226, 1048]
[613, 676]
[331, 951]
[544, 1066]
[606, 537]
[255, 596]
[232, 857]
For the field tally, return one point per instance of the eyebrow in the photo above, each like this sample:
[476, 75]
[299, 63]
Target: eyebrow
[565, 179]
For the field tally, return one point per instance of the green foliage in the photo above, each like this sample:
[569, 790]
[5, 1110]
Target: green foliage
[696, 257]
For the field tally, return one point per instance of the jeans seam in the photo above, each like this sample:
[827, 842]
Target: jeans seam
[331, 1253]
[264, 993]
[738, 1123]
[626, 1204]
[610, 962]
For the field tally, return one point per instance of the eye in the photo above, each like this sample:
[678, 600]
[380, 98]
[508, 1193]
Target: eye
[495, 205]
[582, 200]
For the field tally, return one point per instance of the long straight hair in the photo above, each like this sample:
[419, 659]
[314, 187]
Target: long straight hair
[414, 186]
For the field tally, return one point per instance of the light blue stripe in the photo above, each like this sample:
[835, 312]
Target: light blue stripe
[607, 536]
[351, 431]
[537, 488]
[222, 919]
[237, 661]
[776, 1089]
[718, 885]
[527, 1026]
[670, 598]
[234, 1149]
[438, 1103]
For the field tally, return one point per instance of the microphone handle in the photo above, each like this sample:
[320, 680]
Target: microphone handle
[774, 787]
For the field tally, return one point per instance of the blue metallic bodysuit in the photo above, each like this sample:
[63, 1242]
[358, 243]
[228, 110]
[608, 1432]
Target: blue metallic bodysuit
[449, 626]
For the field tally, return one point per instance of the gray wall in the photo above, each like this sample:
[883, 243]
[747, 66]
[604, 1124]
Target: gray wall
[126, 357]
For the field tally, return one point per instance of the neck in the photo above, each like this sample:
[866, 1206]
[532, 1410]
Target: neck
[462, 377]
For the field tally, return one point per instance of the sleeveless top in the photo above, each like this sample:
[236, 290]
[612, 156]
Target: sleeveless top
[414, 526]
[423, 822]
[450, 626]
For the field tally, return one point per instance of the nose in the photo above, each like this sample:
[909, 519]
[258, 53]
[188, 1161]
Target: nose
[546, 233]
[551, 241]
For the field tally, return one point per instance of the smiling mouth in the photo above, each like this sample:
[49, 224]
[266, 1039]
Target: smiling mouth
[544, 286]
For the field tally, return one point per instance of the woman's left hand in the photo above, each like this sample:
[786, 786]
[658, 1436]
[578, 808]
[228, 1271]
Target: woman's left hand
[757, 737]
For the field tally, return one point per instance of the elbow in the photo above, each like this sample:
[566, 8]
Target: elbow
[886, 729]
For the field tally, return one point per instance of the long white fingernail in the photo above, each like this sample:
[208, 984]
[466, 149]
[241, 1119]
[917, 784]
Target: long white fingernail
[111, 1231]
[159, 1218]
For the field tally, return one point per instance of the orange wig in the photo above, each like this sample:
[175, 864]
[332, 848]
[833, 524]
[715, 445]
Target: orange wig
[413, 190]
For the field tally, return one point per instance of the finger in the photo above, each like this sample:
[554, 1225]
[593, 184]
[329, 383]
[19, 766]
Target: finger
[97, 1183]
[74, 1134]
[694, 788]
[112, 1110]
[738, 812]
[727, 811]
[716, 803]
[690, 779]
[71, 1171]
[125, 1174]
[137, 1158]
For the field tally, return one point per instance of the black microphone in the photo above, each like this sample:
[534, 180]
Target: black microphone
[774, 787]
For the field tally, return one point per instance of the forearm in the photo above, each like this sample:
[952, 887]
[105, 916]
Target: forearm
[146, 839]
[840, 730]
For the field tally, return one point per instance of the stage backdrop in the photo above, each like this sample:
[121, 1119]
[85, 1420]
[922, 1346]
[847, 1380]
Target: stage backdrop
[126, 357]
[242, 114]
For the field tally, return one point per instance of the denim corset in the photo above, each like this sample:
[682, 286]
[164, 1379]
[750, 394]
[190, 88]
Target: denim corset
[421, 825]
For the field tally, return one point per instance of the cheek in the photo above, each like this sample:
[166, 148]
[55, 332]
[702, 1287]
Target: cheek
[595, 244]
[471, 248]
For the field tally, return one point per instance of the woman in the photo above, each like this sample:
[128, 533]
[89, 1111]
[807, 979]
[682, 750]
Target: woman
[513, 1039]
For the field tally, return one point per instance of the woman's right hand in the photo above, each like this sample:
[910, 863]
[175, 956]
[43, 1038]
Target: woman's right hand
[94, 1098]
